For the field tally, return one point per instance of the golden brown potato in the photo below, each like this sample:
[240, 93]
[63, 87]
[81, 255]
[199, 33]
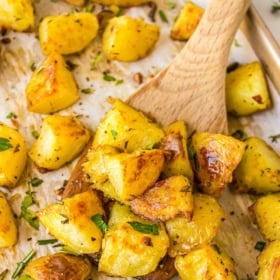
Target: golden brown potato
[68, 33]
[165, 200]
[207, 218]
[246, 90]
[186, 22]
[128, 252]
[121, 3]
[204, 263]
[76, 2]
[258, 171]
[58, 266]
[214, 157]
[61, 139]
[269, 262]
[70, 222]
[8, 228]
[13, 156]
[129, 39]
[17, 15]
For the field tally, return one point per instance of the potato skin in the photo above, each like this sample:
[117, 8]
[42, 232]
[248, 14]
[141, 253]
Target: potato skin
[129, 39]
[12, 160]
[67, 34]
[8, 228]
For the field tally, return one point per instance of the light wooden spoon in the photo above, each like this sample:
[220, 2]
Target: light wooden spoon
[192, 87]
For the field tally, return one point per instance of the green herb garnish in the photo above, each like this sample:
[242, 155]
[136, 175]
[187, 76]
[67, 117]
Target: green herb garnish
[260, 245]
[25, 277]
[236, 43]
[238, 134]
[35, 134]
[274, 138]
[11, 115]
[119, 12]
[26, 213]
[171, 5]
[275, 7]
[163, 16]
[21, 265]
[46, 241]
[98, 220]
[145, 228]
[97, 59]
[32, 66]
[35, 182]
[89, 8]
[114, 133]
[5, 144]
[86, 90]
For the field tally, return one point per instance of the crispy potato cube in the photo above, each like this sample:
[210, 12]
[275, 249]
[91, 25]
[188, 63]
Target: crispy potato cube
[214, 158]
[17, 15]
[186, 22]
[269, 262]
[127, 129]
[204, 263]
[13, 156]
[58, 266]
[121, 3]
[246, 90]
[52, 86]
[61, 139]
[127, 252]
[267, 215]
[258, 171]
[8, 228]
[76, 2]
[70, 222]
[175, 149]
[206, 220]
[67, 34]
[129, 39]
[165, 200]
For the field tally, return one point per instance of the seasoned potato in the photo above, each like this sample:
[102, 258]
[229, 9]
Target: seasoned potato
[8, 229]
[186, 22]
[128, 252]
[129, 39]
[185, 235]
[67, 34]
[13, 156]
[70, 222]
[61, 139]
[121, 3]
[267, 214]
[269, 262]
[58, 266]
[258, 171]
[52, 86]
[127, 129]
[17, 15]
[204, 263]
[214, 158]
[175, 150]
[246, 90]
[165, 200]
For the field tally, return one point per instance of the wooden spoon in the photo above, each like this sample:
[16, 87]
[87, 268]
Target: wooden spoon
[192, 87]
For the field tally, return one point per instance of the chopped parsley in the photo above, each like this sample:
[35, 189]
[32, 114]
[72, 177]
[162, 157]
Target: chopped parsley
[11, 115]
[46, 241]
[171, 5]
[275, 7]
[35, 182]
[145, 228]
[163, 16]
[96, 60]
[99, 221]
[32, 66]
[21, 265]
[86, 90]
[238, 134]
[35, 134]
[114, 133]
[236, 43]
[28, 215]
[89, 8]
[5, 144]
[260, 245]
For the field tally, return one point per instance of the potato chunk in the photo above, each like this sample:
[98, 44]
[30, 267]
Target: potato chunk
[17, 15]
[259, 170]
[165, 200]
[70, 222]
[129, 39]
[186, 22]
[121, 3]
[61, 139]
[8, 229]
[214, 158]
[52, 86]
[246, 90]
[67, 34]
[13, 156]
[206, 220]
[128, 252]
[204, 263]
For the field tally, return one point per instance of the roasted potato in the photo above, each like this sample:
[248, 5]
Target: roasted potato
[268, 261]
[129, 39]
[76, 2]
[59, 266]
[128, 252]
[8, 228]
[121, 3]
[246, 90]
[61, 139]
[258, 171]
[70, 222]
[187, 21]
[165, 200]
[206, 219]
[214, 157]
[13, 156]
[204, 263]
[68, 33]
[127, 129]
[17, 15]
[52, 86]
